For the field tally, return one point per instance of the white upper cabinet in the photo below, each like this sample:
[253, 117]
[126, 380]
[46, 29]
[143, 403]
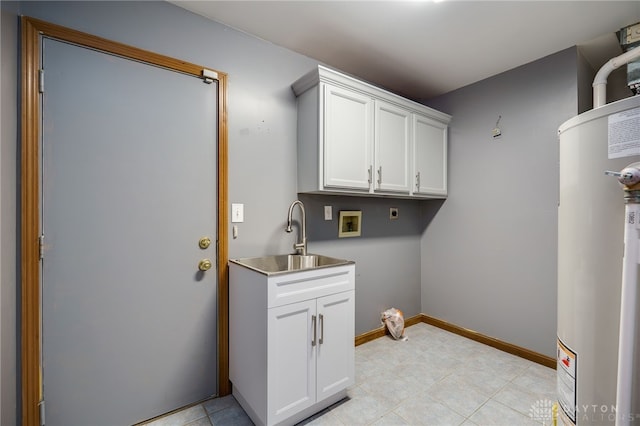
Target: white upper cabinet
[429, 156]
[348, 131]
[392, 145]
[355, 138]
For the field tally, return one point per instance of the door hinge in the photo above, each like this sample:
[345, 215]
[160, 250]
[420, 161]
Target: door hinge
[41, 408]
[41, 246]
[41, 80]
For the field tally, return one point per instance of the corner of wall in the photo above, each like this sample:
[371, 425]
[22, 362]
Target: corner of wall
[472, 255]
[586, 73]
[588, 65]
[8, 207]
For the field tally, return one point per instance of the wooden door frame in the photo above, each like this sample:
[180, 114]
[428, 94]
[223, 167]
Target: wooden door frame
[30, 120]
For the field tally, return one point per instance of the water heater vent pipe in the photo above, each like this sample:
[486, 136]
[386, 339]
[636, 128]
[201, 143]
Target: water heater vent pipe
[629, 177]
[600, 81]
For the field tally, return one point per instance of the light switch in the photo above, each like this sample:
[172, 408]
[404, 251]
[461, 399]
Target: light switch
[237, 213]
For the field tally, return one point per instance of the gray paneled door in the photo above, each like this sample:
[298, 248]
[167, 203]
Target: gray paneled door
[129, 188]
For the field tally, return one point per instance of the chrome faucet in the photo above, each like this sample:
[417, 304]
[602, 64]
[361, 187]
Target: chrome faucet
[302, 245]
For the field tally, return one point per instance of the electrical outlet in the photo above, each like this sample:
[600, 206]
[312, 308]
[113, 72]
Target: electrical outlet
[328, 213]
[393, 213]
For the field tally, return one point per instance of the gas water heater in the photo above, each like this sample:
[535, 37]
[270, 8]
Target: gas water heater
[591, 232]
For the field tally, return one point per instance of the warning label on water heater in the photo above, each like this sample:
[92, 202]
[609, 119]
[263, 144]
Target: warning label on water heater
[624, 134]
[566, 371]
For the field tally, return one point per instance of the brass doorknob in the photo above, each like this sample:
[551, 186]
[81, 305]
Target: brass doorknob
[204, 242]
[204, 265]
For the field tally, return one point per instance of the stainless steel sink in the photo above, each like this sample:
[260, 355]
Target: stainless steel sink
[284, 263]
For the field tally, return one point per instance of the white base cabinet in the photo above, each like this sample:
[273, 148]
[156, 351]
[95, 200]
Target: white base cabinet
[355, 138]
[291, 341]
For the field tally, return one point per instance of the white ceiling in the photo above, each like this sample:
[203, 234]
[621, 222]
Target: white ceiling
[423, 48]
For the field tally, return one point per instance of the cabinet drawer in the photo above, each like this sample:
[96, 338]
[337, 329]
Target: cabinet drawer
[292, 288]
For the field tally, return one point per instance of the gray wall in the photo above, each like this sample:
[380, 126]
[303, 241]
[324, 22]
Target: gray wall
[262, 128]
[486, 255]
[262, 155]
[586, 73]
[489, 253]
[8, 145]
[261, 108]
[387, 254]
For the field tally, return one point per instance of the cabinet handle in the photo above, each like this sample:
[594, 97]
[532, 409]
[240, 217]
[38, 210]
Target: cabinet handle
[418, 181]
[380, 175]
[313, 325]
[321, 329]
[370, 173]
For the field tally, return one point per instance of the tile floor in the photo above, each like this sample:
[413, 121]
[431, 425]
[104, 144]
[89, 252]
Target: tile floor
[434, 378]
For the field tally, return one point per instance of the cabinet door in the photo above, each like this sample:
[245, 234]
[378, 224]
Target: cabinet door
[291, 359]
[336, 332]
[392, 141]
[347, 137]
[430, 156]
